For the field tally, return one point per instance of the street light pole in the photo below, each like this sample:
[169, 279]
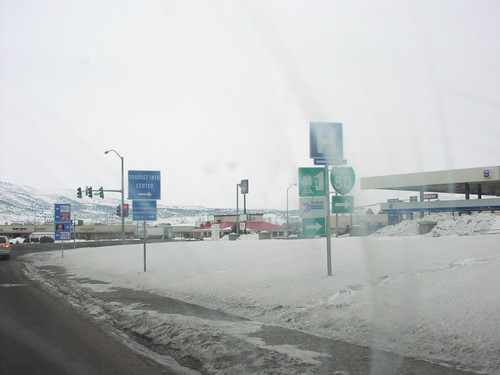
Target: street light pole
[122, 191]
[287, 226]
[237, 209]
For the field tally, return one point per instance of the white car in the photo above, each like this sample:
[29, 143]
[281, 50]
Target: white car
[4, 247]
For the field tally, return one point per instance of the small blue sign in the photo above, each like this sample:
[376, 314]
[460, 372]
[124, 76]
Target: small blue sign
[144, 210]
[144, 185]
[326, 142]
[62, 222]
[323, 161]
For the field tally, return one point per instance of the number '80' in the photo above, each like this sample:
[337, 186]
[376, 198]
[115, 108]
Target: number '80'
[342, 179]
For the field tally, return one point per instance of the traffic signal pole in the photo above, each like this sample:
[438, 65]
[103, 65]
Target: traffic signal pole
[123, 202]
[122, 191]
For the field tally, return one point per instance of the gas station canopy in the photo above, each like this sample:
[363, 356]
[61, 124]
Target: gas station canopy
[477, 181]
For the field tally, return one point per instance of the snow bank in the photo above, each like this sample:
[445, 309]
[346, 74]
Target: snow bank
[433, 297]
[447, 224]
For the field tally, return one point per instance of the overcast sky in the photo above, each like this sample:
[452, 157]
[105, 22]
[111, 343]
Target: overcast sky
[213, 92]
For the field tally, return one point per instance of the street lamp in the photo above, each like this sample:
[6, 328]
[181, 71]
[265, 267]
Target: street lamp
[122, 191]
[287, 226]
[237, 209]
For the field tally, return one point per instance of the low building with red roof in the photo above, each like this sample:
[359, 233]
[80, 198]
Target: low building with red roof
[227, 224]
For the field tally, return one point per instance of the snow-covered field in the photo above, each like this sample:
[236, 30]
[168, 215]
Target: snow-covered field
[434, 297]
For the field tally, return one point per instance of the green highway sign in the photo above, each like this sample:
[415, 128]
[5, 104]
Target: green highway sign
[342, 179]
[314, 226]
[312, 182]
[342, 204]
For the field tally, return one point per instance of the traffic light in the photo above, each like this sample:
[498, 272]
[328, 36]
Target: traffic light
[125, 209]
[79, 192]
[88, 191]
[118, 211]
[101, 192]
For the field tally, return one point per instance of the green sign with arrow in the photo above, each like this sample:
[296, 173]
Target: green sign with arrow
[314, 227]
[342, 204]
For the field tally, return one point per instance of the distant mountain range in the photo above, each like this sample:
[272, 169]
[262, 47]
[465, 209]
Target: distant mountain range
[24, 204]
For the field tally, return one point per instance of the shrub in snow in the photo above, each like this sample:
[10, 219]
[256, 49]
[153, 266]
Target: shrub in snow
[46, 239]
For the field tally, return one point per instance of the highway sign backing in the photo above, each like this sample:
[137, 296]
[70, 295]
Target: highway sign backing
[144, 185]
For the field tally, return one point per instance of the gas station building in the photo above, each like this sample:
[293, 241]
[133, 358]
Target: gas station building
[479, 187]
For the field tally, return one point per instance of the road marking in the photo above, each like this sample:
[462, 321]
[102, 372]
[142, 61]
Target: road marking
[10, 285]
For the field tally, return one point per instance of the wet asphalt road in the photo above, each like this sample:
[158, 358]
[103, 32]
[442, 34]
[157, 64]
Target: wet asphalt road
[39, 334]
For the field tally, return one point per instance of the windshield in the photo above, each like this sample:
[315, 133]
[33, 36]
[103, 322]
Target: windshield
[251, 186]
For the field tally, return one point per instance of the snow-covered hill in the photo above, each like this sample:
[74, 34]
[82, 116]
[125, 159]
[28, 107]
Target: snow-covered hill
[24, 204]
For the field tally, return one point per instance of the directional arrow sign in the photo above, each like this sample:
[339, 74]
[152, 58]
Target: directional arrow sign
[311, 207]
[342, 204]
[144, 185]
[314, 227]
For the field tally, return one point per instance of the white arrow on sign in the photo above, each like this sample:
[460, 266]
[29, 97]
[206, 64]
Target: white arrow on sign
[148, 194]
[315, 226]
[344, 204]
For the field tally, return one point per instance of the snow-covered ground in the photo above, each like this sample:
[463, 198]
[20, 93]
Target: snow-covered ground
[434, 297]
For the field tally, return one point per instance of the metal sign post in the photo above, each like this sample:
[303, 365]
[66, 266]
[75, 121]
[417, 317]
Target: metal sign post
[329, 265]
[74, 234]
[237, 209]
[144, 234]
[244, 191]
